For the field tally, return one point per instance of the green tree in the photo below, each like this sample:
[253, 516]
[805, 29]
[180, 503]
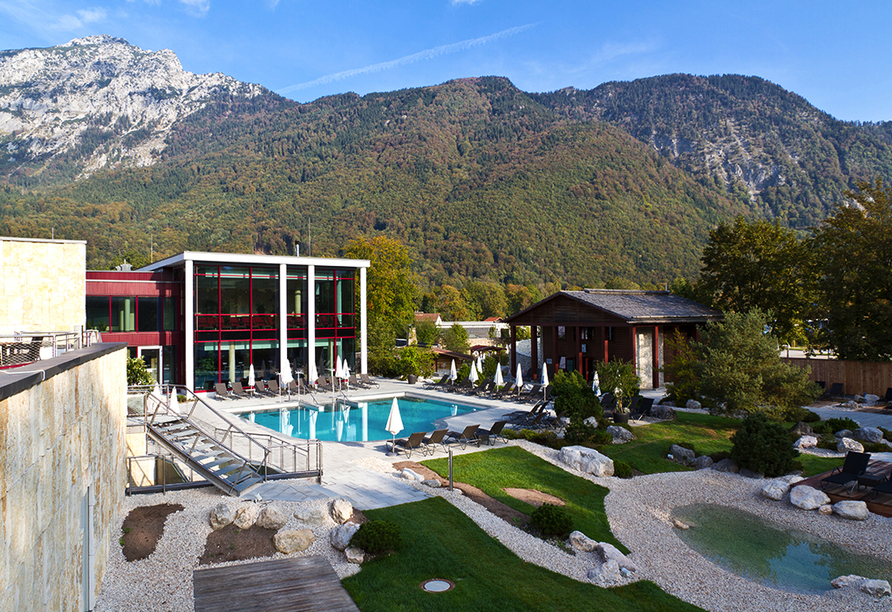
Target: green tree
[456, 339]
[452, 304]
[854, 251]
[137, 373]
[740, 368]
[427, 333]
[619, 377]
[758, 265]
[391, 287]
[486, 299]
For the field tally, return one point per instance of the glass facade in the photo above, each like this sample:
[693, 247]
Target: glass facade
[131, 314]
[335, 314]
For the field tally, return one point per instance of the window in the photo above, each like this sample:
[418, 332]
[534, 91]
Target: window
[147, 314]
[123, 314]
[97, 312]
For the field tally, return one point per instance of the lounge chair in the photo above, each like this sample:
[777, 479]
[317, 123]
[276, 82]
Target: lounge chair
[608, 402]
[354, 382]
[238, 390]
[506, 391]
[836, 390]
[518, 416]
[441, 383]
[532, 396]
[272, 387]
[437, 437]
[643, 408]
[260, 387]
[884, 487]
[322, 383]
[413, 443]
[494, 432]
[222, 391]
[366, 380]
[854, 466]
[468, 436]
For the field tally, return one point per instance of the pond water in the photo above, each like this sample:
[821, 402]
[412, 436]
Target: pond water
[770, 554]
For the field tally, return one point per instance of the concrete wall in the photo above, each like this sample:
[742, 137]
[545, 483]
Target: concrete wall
[62, 448]
[42, 284]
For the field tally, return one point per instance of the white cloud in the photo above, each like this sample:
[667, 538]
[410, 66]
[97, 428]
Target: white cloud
[199, 7]
[92, 15]
[408, 59]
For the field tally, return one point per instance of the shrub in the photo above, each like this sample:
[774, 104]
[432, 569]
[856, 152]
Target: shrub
[795, 414]
[376, 537]
[681, 370]
[621, 469]
[827, 441]
[552, 521]
[574, 396]
[584, 434]
[831, 426]
[887, 434]
[137, 373]
[762, 446]
[619, 378]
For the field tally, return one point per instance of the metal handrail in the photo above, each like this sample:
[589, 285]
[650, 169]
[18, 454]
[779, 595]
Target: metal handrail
[22, 348]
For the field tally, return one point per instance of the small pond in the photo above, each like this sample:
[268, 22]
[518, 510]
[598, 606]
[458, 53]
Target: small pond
[770, 554]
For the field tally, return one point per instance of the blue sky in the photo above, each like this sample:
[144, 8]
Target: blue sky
[834, 54]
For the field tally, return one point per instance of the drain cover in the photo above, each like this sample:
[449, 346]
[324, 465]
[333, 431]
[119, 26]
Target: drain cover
[437, 585]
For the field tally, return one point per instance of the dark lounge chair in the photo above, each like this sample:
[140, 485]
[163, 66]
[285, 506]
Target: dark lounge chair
[884, 487]
[413, 443]
[367, 381]
[222, 391]
[492, 434]
[836, 390]
[238, 390]
[643, 408]
[437, 437]
[468, 436]
[272, 387]
[441, 383]
[519, 416]
[854, 466]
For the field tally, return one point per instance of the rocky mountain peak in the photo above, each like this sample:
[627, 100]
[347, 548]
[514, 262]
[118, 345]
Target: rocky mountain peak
[96, 101]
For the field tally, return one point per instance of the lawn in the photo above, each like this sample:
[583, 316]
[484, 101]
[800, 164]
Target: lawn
[511, 466]
[439, 541]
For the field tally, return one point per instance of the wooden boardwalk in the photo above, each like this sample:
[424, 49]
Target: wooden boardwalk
[294, 584]
[882, 505]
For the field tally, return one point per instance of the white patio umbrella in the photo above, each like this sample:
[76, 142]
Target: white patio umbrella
[314, 374]
[452, 373]
[287, 376]
[473, 375]
[339, 372]
[595, 383]
[174, 401]
[251, 380]
[498, 381]
[544, 379]
[518, 378]
[480, 363]
[345, 371]
[394, 422]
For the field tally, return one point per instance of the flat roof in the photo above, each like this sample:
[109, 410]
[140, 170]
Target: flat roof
[252, 259]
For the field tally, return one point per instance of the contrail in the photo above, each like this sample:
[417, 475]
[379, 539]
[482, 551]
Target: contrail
[415, 57]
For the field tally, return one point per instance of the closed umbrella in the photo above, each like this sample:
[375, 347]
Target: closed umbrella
[287, 376]
[473, 375]
[174, 401]
[314, 374]
[544, 378]
[346, 371]
[394, 422]
[452, 373]
[251, 379]
[518, 378]
[595, 383]
[499, 382]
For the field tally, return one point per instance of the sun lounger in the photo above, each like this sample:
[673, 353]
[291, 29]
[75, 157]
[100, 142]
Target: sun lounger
[222, 391]
[518, 416]
[437, 437]
[492, 434]
[643, 408]
[272, 387]
[413, 443]
[261, 388]
[238, 390]
[441, 383]
[836, 390]
[854, 466]
[465, 437]
[366, 380]
[884, 487]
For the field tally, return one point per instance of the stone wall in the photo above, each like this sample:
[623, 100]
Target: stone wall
[62, 449]
[42, 284]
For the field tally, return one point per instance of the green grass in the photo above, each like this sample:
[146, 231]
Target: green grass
[439, 541]
[511, 466]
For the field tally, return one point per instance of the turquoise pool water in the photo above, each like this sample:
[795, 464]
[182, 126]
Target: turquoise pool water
[764, 552]
[362, 422]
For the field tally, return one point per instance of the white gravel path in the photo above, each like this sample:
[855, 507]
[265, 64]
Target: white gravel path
[638, 510]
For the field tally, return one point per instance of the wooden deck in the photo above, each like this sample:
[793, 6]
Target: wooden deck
[882, 505]
[294, 584]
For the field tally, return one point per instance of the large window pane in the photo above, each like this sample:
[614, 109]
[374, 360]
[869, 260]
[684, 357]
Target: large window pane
[147, 314]
[207, 365]
[235, 290]
[97, 312]
[123, 314]
[207, 298]
[170, 314]
[265, 285]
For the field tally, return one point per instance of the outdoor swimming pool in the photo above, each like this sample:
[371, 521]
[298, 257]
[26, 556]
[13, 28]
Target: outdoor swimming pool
[363, 421]
[777, 557]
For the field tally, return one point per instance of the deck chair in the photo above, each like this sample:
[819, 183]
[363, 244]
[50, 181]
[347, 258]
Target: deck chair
[238, 390]
[322, 383]
[440, 383]
[883, 487]
[414, 443]
[222, 391]
[352, 381]
[272, 387]
[854, 466]
[260, 387]
[836, 390]
[492, 434]
[366, 380]
[608, 402]
[468, 436]
[518, 416]
[643, 408]
[437, 437]
[533, 395]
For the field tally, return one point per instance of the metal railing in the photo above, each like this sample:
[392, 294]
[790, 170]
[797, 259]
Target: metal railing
[21, 348]
[269, 455]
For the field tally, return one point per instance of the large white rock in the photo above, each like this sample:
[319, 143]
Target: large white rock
[409, 474]
[340, 536]
[806, 442]
[876, 588]
[870, 399]
[852, 510]
[580, 541]
[609, 553]
[621, 435]
[776, 489]
[341, 510]
[221, 515]
[608, 573]
[293, 540]
[847, 444]
[868, 434]
[271, 518]
[693, 404]
[682, 454]
[586, 460]
[808, 498]
[354, 555]
[314, 515]
[246, 515]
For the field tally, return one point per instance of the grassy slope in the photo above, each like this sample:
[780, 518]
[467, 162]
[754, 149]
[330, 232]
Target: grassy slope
[439, 541]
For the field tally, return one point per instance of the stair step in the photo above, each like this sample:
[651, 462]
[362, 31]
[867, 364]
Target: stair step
[219, 462]
[248, 482]
[233, 470]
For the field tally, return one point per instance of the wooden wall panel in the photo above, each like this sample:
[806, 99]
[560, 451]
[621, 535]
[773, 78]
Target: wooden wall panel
[857, 377]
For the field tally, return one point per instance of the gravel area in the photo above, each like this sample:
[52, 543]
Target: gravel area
[638, 509]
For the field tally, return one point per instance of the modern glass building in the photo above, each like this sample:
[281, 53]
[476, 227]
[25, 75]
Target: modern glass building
[202, 318]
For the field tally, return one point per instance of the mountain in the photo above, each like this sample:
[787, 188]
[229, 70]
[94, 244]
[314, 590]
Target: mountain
[752, 138]
[69, 110]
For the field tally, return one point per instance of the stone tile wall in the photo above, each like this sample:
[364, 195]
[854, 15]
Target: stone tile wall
[42, 284]
[61, 439]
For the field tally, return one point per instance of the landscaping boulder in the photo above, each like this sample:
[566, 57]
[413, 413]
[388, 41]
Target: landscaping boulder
[221, 515]
[776, 489]
[580, 541]
[806, 442]
[870, 399]
[246, 516]
[341, 510]
[825, 510]
[586, 460]
[609, 552]
[409, 474]
[874, 588]
[340, 536]
[621, 435]
[314, 515]
[852, 510]
[607, 573]
[293, 540]
[592, 421]
[702, 462]
[802, 429]
[808, 498]
[663, 412]
[432, 483]
[271, 517]
[354, 555]
[693, 405]
[681, 454]
[868, 434]
[726, 465]
[843, 433]
[847, 444]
